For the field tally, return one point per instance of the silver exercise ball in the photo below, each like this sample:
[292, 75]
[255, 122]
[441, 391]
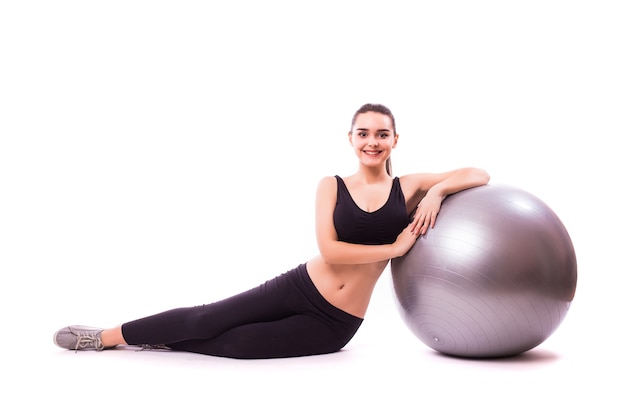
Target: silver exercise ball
[495, 277]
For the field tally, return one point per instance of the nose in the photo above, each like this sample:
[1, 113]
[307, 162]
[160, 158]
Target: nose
[371, 141]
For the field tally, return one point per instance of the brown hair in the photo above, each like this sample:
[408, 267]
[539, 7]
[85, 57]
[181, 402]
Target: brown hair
[377, 108]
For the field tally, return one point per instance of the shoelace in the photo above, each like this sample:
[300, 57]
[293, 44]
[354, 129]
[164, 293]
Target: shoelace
[84, 341]
[152, 347]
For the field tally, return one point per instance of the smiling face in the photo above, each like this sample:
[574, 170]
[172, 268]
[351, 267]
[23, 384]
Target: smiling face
[373, 137]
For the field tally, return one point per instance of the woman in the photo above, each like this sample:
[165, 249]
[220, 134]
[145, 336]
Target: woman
[362, 221]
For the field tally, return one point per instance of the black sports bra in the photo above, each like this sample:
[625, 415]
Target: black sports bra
[354, 225]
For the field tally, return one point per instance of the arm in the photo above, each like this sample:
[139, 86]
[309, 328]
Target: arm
[424, 193]
[332, 250]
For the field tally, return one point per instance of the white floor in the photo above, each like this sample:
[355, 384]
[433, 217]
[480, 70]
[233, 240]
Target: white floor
[384, 370]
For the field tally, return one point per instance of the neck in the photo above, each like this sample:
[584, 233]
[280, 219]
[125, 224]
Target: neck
[372, 175]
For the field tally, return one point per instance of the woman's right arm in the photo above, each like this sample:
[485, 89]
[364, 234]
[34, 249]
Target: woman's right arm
[333, 251]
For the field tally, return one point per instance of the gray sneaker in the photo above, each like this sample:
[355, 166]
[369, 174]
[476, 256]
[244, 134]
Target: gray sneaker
[79, 338]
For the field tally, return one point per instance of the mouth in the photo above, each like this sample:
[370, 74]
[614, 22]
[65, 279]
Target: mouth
[371, 152]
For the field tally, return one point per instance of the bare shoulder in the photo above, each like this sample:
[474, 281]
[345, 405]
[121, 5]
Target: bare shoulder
[327, 182]
[327, 186]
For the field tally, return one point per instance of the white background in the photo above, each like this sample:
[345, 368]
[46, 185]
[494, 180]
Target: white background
[160, 154]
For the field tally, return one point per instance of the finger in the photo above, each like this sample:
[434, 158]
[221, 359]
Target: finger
[430, 223]
[427, 220]
[427, 223]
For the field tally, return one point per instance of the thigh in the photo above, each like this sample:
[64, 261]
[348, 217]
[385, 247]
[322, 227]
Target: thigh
[274, 300]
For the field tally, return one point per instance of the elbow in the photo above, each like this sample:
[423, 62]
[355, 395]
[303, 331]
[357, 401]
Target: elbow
[484, 176]
[480, 176]
[333, 252]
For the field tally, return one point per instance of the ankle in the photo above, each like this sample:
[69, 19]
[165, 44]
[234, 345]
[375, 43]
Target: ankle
[112, 337]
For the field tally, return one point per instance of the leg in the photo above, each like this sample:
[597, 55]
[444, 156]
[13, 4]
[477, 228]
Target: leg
[270, 301]
[284, 317]
[298, 335]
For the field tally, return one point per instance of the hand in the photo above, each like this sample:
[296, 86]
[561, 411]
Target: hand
[405, 241]
[426, 213]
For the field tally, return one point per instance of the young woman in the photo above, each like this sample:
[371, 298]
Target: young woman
[362, 221]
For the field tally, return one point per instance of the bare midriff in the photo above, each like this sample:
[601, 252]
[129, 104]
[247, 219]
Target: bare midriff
[347, 287]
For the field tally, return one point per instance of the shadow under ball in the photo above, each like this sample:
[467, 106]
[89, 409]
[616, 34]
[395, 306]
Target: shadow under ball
[495, 277]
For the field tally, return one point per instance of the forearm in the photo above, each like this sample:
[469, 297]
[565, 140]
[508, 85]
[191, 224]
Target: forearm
[350, 253]
[461, 180]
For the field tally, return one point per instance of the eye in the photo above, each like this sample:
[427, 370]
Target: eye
[363, 134]
[384, 135]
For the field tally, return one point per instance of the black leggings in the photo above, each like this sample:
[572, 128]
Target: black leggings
[284, 317]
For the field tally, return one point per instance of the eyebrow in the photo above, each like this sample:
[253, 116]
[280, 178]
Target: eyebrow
[379, 130]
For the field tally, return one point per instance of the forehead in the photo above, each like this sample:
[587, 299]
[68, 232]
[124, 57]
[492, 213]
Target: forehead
[373, 121]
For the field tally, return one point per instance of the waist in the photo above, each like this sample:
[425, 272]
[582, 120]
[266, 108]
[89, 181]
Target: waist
[348, 287]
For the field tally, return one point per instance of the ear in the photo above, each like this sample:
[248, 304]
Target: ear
[395, 141]
[350, 138]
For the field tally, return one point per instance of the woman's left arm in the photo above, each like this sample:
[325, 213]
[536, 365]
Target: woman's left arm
[424, 193]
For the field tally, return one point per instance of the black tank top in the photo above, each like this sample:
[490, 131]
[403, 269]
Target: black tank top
[354, 225]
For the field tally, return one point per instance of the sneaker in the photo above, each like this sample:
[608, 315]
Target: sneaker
[79, 338]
